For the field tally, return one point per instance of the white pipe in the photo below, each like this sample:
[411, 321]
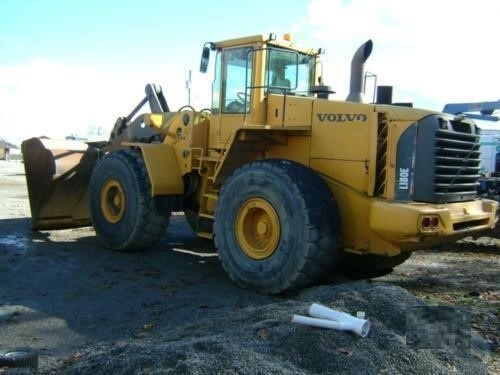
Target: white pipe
[323, 312]
[315, 322]
[360, 326]
[360, 329]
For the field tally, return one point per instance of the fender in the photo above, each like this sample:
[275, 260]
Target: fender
[162, 168]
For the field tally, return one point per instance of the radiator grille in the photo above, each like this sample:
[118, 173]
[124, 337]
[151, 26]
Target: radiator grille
[457, 163]
[448, 160]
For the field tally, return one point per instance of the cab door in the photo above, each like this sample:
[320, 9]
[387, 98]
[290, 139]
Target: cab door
[232, 92]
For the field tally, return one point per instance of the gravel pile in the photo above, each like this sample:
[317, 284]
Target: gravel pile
[258, 340]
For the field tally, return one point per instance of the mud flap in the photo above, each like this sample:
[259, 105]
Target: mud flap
[57, 177]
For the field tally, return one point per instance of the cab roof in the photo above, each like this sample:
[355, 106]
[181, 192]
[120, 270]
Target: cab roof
[270, 39]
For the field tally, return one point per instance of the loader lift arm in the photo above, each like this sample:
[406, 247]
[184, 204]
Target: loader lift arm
[156, 99]
[136, 132]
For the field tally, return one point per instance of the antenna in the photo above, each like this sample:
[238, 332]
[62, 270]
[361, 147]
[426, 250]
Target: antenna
[188, 87]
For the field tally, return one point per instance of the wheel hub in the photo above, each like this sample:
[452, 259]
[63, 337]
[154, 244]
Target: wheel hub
[112, 201]
[258, 229]
[262, 227]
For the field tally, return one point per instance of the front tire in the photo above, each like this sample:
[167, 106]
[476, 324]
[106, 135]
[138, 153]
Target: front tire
[276, 227]
[123, 212]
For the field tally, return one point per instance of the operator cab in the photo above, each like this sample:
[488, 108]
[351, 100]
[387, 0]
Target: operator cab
[249, 70]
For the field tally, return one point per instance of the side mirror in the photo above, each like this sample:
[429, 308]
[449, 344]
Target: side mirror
[205, 57]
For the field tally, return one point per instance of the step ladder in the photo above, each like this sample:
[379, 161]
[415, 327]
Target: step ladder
[210, 194]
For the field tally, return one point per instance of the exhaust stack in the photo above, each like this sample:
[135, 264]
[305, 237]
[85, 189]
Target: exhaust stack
[358, 71]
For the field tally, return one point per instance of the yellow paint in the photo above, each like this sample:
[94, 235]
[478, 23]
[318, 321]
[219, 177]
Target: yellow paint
[258, 229]
[162, 167]
[112, 201]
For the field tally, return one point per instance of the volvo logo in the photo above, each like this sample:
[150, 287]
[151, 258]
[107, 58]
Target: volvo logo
[341, 117]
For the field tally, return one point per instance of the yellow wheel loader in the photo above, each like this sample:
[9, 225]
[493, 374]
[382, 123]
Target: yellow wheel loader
[285, 180]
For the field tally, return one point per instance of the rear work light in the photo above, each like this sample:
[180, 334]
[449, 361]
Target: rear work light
[429, 223]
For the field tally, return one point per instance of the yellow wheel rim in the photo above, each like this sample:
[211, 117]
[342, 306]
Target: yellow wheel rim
[112, 201]
[258, 229]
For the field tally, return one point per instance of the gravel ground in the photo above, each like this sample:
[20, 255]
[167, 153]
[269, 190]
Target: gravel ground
[172, 309]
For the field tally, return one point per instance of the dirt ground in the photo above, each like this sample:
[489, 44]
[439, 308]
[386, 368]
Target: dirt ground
[90, 310]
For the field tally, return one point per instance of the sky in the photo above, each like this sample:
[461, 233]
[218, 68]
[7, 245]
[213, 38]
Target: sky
[73, 67]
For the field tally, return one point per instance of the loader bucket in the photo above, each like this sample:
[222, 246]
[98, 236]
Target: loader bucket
[57, 176]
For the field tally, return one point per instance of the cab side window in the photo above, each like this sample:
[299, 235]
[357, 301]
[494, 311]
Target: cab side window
[289, 72]
[281, 71]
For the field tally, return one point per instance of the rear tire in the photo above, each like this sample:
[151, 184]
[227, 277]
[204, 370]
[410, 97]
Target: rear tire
[124, 214]
[276, 227]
